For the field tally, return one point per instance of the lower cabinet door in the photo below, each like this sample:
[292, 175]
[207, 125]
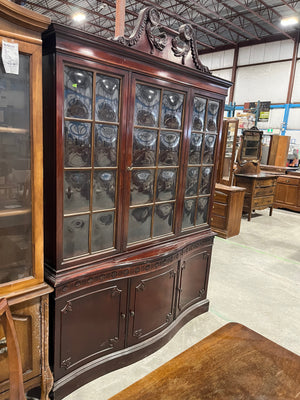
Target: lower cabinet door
[152, 302]
[91, 324]
[194, 271]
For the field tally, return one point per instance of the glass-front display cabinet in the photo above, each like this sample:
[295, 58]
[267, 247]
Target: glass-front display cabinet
[228, 151]
[21, 194]
[130, 137]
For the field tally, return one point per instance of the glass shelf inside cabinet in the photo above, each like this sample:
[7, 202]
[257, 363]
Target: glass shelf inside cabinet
[15, 174]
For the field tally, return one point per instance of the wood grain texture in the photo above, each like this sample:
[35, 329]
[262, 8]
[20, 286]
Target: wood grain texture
[232, 363]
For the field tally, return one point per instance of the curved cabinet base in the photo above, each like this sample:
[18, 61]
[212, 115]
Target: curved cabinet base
[124, 357]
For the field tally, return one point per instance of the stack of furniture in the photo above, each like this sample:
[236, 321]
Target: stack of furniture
[131, 133]
[21, 196]
[228, 199]
[260, 186]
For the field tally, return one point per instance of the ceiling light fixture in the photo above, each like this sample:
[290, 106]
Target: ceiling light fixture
[78, 17]
[289, 21]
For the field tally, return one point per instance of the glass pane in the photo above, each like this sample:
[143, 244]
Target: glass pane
[107, 98]
[103, 231]
[78, 93]
[166, 184]
[144, 147]
[141, 186]
[188, 213]
[77, 144]
[169, 148]
[139, 224]
[77, 191]
[198, 114]
[209, 149]
[106, 141]
[192, 181]
[104, 189]
[147, 100]
[163, 219]
[202, 209]
[172, 107]
[15, 174]
[76, 235]
[195, 148]
[212, 115]
[205, 180]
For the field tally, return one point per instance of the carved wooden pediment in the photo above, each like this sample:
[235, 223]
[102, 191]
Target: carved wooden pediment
[151, 37]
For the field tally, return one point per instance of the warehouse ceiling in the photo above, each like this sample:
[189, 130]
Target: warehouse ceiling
[218, 24]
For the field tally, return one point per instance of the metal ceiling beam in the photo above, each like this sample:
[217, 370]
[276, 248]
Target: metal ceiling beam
[288, 5]
[218, 16]
[263, 19]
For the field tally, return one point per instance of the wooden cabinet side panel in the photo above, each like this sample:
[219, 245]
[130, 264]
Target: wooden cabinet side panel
[194, 278]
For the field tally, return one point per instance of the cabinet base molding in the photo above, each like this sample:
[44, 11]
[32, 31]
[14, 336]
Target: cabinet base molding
[125, 357]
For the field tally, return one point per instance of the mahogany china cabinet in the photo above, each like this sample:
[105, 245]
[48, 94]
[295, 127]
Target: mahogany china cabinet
[228, 199]
[21, 195]
[130, 143]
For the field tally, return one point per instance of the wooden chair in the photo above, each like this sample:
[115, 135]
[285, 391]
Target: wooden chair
[16, 391]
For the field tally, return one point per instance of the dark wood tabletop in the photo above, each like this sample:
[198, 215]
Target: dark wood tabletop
[232, 363]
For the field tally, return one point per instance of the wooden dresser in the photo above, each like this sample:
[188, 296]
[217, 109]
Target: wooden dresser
[287, 193]
[260, 191]
[227, 210]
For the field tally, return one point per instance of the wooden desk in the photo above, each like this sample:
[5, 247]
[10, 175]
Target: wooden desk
[233, 363]
[260, 190]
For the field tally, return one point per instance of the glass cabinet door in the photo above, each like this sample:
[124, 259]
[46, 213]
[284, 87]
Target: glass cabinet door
[15, 174]
[91, 133]
[200, 161]
[156, 144]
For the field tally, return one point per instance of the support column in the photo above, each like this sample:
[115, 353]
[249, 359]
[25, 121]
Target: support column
[120, 18]
[233, 74]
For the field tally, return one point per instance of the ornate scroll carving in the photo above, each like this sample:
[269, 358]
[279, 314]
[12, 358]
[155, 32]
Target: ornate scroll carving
[67, 308]
[138, 333]
[182, 46]
[115, 292]
[201, 293]
[140, 287]
[169, 317]
[66, 363]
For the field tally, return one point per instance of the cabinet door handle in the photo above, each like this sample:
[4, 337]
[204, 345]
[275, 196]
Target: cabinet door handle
[131, 313]
[123, 316]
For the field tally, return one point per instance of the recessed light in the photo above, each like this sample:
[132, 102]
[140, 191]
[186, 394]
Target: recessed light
[78, 17]
[289, 21]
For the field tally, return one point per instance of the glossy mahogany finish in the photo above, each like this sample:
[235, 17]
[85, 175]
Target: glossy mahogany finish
[132, 129]
[232, 363]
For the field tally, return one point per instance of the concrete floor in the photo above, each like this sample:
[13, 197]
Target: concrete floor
[254, 280]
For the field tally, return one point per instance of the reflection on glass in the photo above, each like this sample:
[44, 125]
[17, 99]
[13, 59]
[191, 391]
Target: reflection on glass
[78, 93]
[15, 174]
[139, 224]
[77, 144]
[209, 149]
[192, 181]
[107, 98]
[198, 113]
[205, 180]
[163, 219]
[228, 152]
[147, 101]
[144, 147]
[166, 184]
[104, 189]
[188, 213]
[141, 186]
[172, 107]
[169, 148]
[77, 191]
[106, 141]
[76, 235]
[195, 148]
[103, 231]
[202, 210]
[212, 115]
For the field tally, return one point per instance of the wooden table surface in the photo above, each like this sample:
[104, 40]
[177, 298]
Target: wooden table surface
[232, 363]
